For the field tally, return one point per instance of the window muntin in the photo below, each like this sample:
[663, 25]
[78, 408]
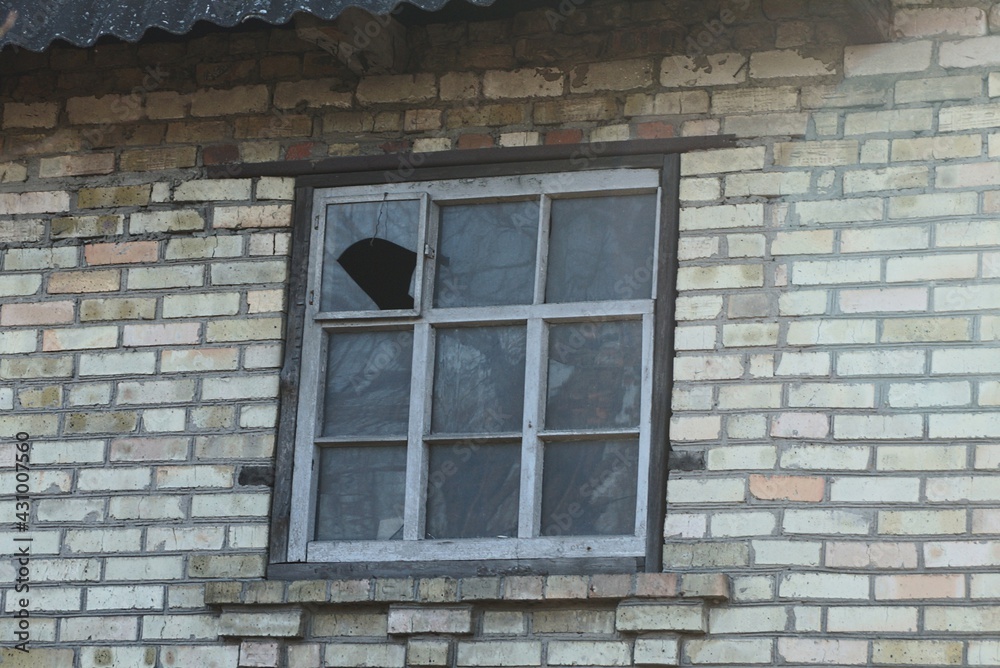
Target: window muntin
[490, 373]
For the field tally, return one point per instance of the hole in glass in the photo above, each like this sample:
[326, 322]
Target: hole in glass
[369, 259]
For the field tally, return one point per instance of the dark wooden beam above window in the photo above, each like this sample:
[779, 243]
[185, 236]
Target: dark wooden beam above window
[400, 166]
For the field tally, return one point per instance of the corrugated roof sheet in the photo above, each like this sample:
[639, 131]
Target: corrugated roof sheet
[34, 24]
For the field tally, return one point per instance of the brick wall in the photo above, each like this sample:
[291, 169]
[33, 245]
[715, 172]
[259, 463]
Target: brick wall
[836, 345]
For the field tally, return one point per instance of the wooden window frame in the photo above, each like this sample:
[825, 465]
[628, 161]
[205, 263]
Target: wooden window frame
[288, 560]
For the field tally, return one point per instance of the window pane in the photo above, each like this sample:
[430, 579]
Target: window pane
[478, 380]
[472, 490]
[370, 256]
[589, 488]
[361, 492]
[486, 254]
[595, 375]
[601, 248]
[368, 384]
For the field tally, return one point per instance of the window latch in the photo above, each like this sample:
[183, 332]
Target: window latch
[429, 252]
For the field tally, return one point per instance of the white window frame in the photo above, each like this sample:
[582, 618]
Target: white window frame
[528, 544]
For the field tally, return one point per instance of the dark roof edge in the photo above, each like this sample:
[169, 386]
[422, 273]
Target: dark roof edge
[35, 24]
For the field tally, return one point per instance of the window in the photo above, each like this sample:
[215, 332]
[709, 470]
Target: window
[478, 372]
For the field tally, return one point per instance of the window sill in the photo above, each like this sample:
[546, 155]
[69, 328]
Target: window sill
[521, 588]
[638, 604]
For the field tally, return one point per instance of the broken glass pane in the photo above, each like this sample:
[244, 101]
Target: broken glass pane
[368, 383]
[478, 380]
[601, 248]
[361, 493]
[472, 490]
[589, 488]
[594, 376]
[370, 256]
[486, 254]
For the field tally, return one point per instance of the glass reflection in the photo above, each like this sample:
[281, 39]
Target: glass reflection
[589, 488]
[594, 379]
[601, 248]
[478, 380]
[472, 490]
[486, 254]
[361, 491]
[368, 383]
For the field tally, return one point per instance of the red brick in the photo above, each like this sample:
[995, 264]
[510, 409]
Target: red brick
[300, 151]
[654, 130]
[787, 488]
[475, 141]
[221, 154]
[45, 313]
[395, 146]
[123, 253]
[572, 136]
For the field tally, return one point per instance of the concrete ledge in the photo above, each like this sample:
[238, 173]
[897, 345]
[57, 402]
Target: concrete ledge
[413, 620]
[618, 586]
[263, 624]
[682, 618]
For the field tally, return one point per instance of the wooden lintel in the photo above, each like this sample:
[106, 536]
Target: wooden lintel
[402, 166]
